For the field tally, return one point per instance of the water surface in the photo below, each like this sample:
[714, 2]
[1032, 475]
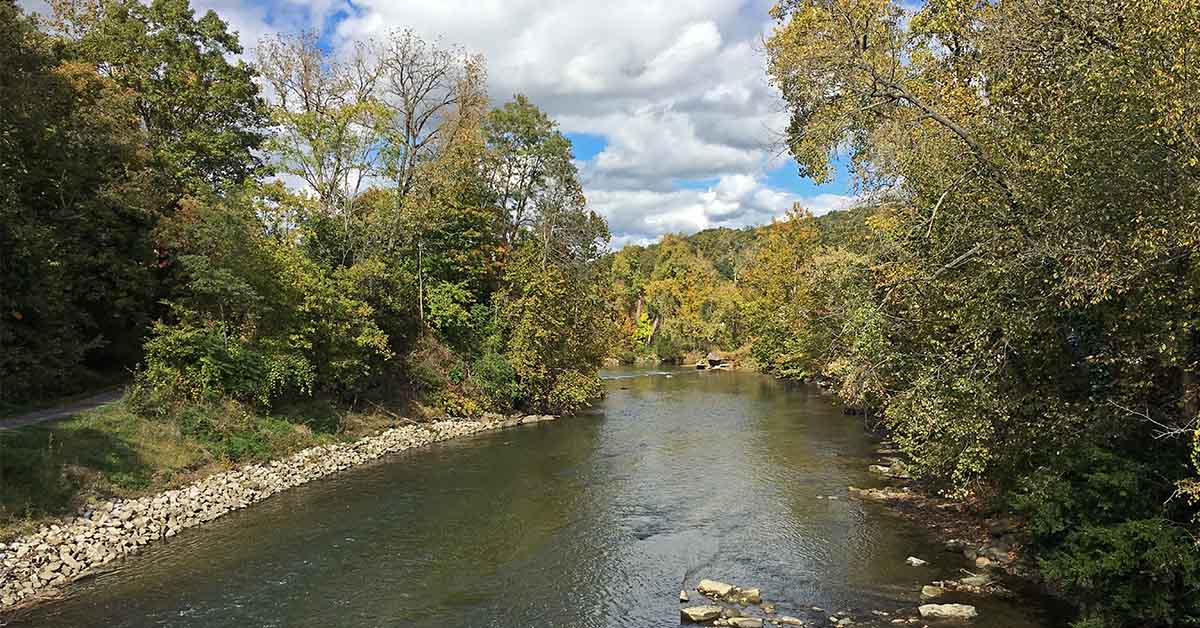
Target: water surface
[592, 521]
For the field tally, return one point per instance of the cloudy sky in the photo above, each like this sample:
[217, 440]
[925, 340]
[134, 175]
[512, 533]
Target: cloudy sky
[666, 102]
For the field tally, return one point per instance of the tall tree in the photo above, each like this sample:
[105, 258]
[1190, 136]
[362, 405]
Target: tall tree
[201, 110]
[77, 204]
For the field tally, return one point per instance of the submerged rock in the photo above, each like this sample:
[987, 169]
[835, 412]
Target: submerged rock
[683, 596]
[697, 614]
[788, 620]
[929, 592]
[913, 561]
[745, 622]
[749, 596]
[715, 588]
[947, 611]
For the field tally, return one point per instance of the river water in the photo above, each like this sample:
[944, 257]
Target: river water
[592, 521]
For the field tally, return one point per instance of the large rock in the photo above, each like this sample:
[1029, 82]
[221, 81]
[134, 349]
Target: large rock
[947, 611]
[749, 596]
[697, 614]
[714, 588]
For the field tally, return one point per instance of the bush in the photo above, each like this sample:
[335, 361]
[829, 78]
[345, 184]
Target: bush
[497, 381]
[1107, 542]
[572, 391]
[203, 363]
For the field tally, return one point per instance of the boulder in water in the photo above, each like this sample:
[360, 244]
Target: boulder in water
[714, 588]
[947, 611]
[929, 592]
[697, 614]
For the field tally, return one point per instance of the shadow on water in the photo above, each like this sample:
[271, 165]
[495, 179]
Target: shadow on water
[592, 522]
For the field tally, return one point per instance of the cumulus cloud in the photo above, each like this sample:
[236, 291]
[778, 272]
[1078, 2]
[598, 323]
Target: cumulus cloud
[677, 89]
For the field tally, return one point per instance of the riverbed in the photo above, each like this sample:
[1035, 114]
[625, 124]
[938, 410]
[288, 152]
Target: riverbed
[592, 521]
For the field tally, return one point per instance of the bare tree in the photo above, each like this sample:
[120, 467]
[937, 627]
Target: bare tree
[326, 114]
[420, 86]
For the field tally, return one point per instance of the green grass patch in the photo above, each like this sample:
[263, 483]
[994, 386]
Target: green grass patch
[52, 469]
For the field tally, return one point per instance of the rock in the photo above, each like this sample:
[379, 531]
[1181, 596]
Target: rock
[880, 469]
[788, 620]
[683, 596]
[714, 588]
[749, 596]
[746, 622]
[975, 581]
[913, 561]
[947, 611]
[769, 609]
[982, 561]
[697, 614]
[730, 613]
[929, 592]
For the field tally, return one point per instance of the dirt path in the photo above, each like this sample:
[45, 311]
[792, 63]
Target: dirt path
[63, 411]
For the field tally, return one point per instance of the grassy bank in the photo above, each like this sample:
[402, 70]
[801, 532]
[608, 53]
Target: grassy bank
[50, 470]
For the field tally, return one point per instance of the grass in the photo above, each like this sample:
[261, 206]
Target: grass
[50, 470]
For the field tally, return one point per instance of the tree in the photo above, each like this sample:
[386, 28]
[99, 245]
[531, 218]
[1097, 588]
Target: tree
[202, 112]
[77, 204]
[329, 124]
[1035, 290]
[532, 171]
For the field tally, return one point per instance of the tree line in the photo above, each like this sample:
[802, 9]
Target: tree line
[357, 224]
[1015, 300]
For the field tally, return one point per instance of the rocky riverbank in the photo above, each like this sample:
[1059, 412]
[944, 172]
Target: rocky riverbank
[36, 567]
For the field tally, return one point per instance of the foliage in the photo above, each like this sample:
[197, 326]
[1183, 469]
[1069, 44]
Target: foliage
[77, 203]
[202, 112]
[1024, 289]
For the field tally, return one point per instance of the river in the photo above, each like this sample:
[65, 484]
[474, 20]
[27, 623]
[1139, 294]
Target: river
[592, 521]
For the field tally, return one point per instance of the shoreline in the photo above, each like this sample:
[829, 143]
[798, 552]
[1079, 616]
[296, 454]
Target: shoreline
[34, 568]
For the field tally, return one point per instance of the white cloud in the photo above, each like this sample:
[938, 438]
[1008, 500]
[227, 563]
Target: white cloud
[638, 216]
[678, 89]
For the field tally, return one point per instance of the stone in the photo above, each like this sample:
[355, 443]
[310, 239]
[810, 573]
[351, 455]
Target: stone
[683, 596]
[880, 469]
[982, 561]
[750, 596]
[746, 622]
[929, 592]
[975, 581]
[714, 588]
[913, 561]
[788, 620]
[697, 614]
[947, 611]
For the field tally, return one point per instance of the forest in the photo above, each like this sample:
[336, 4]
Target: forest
[444, 253]
[1013, 299]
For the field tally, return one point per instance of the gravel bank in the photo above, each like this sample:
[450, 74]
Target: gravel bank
[37, 566]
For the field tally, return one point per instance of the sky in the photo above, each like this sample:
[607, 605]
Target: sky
[674, 125]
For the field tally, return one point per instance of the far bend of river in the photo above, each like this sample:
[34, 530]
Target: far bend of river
[591, 521]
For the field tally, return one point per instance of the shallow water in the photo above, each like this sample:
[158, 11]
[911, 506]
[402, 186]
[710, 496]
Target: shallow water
[590, 521]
